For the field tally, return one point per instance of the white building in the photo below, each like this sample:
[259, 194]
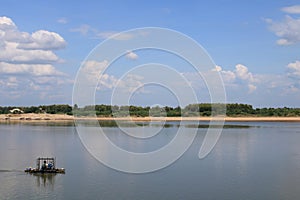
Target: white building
[16, 111]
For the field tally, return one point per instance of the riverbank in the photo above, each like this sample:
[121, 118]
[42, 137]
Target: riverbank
[62, 117]
[35, 117]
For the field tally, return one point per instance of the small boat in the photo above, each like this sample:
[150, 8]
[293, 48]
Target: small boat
[45, 165]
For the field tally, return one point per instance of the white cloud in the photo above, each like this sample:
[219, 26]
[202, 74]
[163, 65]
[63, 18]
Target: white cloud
[131, 83]
[44, 40]
[132, 56]
[238, 77]
[107, 82]
[27, 62]
[243, 85]
[287, 30]
[41, 40]
[228, 76]
[240, 80]
[33, 69]
[95, 74]
[5, 21]
[11, 53]
[93, 68]
[294, 69]
[262, 89]
[26, 86]
[9, 31]
[292, 9]
[242, 72]
[217, 69]
[17, 46]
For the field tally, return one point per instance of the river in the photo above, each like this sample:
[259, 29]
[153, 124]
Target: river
[252, 160]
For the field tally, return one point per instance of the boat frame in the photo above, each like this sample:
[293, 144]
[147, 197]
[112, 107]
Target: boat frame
[45, 165]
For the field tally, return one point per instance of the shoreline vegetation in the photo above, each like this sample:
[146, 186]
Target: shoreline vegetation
[192, 112]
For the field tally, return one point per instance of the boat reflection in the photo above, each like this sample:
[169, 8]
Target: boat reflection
[44, 180]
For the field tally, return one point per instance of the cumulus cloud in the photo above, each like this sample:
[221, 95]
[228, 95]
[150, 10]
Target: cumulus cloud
[95, 74]
[131, 83]
[292, 9]
[92, 69]
[237, 80]
[228, 76]
[132, 56]
[242, 72]
[239, 76]
[242, 85]
[12, 54]
[294, 69]
[18, 47]
[10, 33]
[32, 89]
[287, 30]
[26, 59]
[44, 40]
[32, 69]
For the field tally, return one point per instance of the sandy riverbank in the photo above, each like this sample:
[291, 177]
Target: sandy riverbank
[35, 117]
[61, 117]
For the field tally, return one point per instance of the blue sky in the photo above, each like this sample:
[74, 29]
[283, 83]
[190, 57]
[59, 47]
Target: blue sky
[255, 45]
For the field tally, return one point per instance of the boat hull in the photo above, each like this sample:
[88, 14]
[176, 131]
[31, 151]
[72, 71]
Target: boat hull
[48, 171]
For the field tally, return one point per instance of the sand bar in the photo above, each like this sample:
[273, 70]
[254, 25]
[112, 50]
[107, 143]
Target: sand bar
[62, 117]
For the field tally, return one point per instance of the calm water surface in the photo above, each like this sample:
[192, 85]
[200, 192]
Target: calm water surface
[253, 161]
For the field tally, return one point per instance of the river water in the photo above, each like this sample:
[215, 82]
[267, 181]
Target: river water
[254, 160]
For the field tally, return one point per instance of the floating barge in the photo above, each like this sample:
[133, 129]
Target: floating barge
[45, 165]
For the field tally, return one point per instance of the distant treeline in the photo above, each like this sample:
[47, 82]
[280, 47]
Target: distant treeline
[203, 109]
[51, 109]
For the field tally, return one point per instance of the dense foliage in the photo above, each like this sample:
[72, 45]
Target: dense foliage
[203, 109]
[51, 109]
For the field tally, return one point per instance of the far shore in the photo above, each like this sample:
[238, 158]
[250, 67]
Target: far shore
[31, 117]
